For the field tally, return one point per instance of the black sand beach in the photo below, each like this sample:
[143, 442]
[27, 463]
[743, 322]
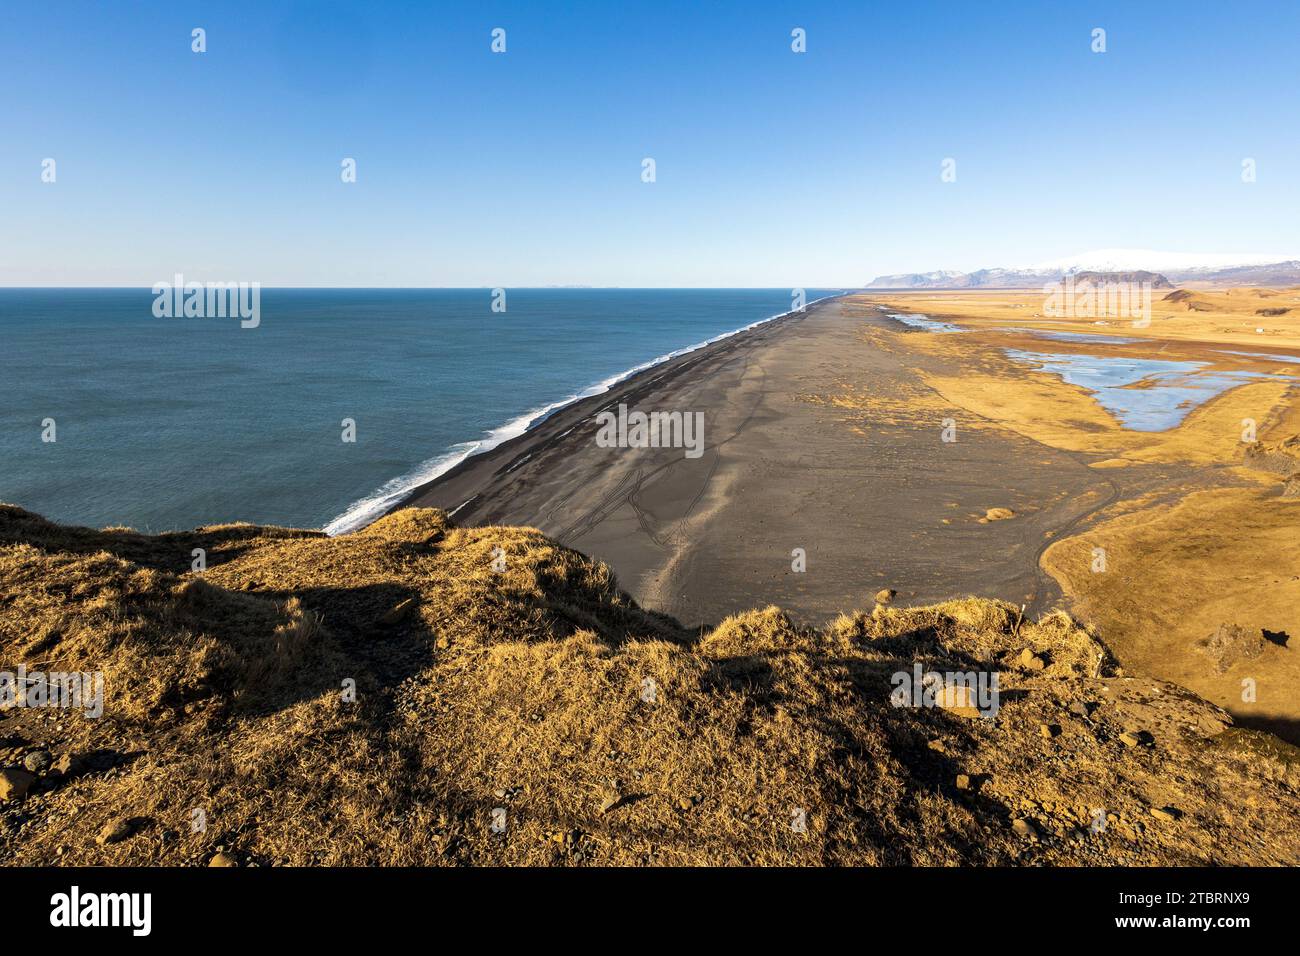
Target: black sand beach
[874, 496]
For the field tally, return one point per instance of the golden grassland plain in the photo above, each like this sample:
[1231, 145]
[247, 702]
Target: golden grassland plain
[536, 715]
[1228, 316]
[1192, 540]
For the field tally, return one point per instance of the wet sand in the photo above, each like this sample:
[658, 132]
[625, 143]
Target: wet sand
[873, 495]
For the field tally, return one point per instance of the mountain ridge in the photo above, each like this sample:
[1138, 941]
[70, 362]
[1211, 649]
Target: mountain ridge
[1177, 268]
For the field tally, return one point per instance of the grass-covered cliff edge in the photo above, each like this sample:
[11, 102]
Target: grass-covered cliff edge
[512, 706]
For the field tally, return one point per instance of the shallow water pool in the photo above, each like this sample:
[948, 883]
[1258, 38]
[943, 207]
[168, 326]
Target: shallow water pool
[1145, 395]
[1077, 336]
[918, 321]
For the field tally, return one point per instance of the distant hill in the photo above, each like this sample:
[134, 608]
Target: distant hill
[1155, 279]
[1115, 265]
[1238, 300]
[981, 279]
[1274, 274]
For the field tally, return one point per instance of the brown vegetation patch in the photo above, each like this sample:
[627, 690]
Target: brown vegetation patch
[528, 712]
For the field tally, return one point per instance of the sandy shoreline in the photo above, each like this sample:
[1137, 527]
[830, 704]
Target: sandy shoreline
[784, 468]
[537, 435]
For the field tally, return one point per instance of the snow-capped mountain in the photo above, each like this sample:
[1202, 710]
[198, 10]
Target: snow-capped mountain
[1128, 260]
[1178, 267]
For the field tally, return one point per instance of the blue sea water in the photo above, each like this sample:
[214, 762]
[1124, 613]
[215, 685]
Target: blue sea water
[171, 423]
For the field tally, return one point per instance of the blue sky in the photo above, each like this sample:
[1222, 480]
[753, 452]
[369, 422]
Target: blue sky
[524, 169]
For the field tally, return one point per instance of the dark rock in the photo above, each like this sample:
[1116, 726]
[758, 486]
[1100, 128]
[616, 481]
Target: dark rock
[37, 761]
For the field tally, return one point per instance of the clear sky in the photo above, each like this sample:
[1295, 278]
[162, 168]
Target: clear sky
[525, 168]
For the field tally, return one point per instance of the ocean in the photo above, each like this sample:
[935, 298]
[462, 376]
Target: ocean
[170, 423]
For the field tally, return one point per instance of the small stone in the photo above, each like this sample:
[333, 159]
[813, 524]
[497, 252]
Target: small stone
[1081, 709]
[998, 514]
[963, 781]
[37, 760]
[116, 831]
[1134, 738]
[959, 700]
[68, 765]
[15, 783]
[1049, 730]
[1023, 828]
[885, 595]
[609, 802]
[1166, 814]
[223, 859]
[399, 612]
[685, 803]
[1031, 661]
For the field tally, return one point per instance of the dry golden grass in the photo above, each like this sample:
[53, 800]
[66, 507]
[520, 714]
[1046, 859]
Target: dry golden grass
[1175, 571]
[604, 733]
[1229, 317]
[1040, 406]
[995, 391]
